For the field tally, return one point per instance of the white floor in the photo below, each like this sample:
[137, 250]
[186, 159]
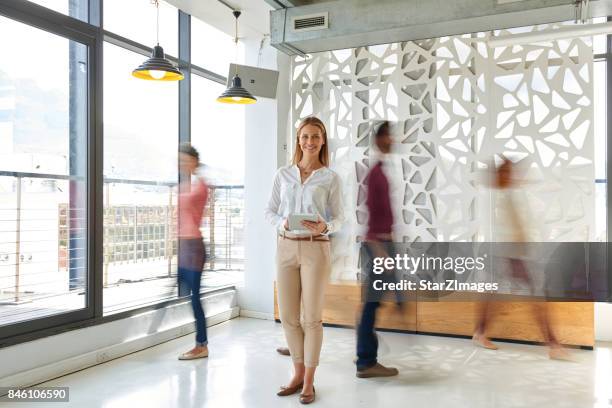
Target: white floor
[244, 370]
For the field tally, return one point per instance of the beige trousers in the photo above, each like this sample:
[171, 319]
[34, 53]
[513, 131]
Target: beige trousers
[303, 270]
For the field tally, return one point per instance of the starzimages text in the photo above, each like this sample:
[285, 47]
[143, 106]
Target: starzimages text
[449, 284]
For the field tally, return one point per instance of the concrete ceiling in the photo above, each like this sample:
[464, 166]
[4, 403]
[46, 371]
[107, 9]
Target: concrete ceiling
[355, 23]
[254, 21]
[293, 3]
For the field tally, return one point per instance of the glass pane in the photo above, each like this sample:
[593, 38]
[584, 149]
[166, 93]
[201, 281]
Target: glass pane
[140, 121]
[35, 120]
[599, 107]
[212, 49]
[218, 134]
[136, 20]
[140, 171]
[600, 134]
[74, 8]
[43, 140]
[139, 245]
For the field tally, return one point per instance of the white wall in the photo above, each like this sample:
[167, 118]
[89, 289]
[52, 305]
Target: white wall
[262, 155]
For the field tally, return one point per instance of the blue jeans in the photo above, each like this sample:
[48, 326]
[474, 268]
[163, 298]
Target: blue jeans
[367, 342]
[192, 256]
[189, 282]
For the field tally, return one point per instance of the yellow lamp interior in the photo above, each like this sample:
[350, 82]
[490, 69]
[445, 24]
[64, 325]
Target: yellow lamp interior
[236, 100]
[146, 74]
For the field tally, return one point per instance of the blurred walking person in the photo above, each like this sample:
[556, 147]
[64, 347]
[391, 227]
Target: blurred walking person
[193, 194]
[379, 244]
[512, 235]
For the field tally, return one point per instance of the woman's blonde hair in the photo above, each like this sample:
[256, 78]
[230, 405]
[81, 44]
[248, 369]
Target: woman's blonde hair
[323, 153]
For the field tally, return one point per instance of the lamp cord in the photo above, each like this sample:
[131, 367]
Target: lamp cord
[156, 2]
[236, 14]
[236, 29]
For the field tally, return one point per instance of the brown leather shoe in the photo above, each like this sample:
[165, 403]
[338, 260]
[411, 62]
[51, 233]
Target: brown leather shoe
[308, 398]
[285, 391]
[192, 355]
[377, 370]
[283, 351]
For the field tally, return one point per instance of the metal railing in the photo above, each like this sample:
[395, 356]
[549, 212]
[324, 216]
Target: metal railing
[42, 240]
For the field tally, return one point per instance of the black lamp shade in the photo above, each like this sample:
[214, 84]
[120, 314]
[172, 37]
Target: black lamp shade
[158, 68]
[236, 93]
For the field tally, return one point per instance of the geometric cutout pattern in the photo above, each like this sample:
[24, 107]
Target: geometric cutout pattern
[456, 105]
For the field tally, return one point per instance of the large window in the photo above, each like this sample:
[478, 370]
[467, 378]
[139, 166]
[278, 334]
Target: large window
[140, 162]
[89, 161]
[119, 18]
[43, 169]
[218, 134]
[217, 131]
[140, 176]
[140, 121]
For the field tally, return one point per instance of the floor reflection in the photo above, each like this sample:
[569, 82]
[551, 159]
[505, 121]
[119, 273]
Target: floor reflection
[244, 370]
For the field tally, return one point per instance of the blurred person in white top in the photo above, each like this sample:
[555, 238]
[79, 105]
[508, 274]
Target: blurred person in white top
[512, 229]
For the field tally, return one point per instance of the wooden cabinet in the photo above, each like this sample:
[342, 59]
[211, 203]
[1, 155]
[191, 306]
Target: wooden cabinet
[512, 319]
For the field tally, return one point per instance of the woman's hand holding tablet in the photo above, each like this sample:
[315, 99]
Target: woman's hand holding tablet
[304, 223]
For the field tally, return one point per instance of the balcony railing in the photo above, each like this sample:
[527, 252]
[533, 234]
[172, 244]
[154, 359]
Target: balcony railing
[144, 233]
[42, 240]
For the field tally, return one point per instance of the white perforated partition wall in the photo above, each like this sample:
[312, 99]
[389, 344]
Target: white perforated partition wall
[457, 105]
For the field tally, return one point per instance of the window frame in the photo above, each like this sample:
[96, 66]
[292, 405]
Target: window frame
[71, 29]
[93, 35]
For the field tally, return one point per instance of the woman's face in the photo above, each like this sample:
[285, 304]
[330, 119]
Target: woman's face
[188, 164]
[311, 140]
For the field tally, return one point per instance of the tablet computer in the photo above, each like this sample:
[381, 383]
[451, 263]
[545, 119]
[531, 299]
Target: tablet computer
[295, 221]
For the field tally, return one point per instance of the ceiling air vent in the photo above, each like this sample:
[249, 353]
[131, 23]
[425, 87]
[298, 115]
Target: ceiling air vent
[311, 22]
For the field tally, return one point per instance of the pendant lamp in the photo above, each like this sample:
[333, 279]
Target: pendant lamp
[235, 93]
[158, 68]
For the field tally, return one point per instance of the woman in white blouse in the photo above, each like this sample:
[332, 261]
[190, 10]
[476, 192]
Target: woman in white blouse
[303, 257]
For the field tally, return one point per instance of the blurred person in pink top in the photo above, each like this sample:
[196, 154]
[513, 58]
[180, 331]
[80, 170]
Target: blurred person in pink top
[193, 194]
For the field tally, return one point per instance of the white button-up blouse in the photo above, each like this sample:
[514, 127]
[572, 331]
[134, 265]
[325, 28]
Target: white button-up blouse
[320, 194]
